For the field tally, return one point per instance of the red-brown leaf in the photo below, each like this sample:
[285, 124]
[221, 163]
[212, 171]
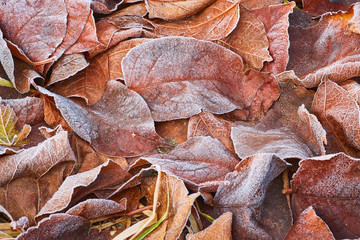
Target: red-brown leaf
[197, 161]
[309, 226]
[120, 124]
[319, 7]
[330, 184]
[169, 74]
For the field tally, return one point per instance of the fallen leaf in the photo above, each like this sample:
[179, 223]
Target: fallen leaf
[78, 12]
[110, 35]
[198, 162]
[77, 187]
[281, 141]
[319, 7]
[52, 114]
[36, 175]
[179, 208]
[309, 226]
[138, 9]
[24, 76]
[352, 87]
[276, 22]
[339, 114]
[254, 197]
[67, 66]
[354, 23]
[174, 10]
[215, 22]
[120, 124]
[105, 6]
[330, 185]
[87, 39]
[6, 60]
[96, 208]
[168, 73]
[219, 229]
[9, 135]
[174, 131]
[207, 124]
[324, 50]
[53, 228]
[248, 40]
[252, 4]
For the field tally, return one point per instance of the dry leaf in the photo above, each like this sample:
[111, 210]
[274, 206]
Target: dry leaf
[339, 114]
[198, 162]
[319, 7]
[330, 184]
[219, 229]
[169, 74]
[174, 131]
[35, 175]
[309, 226]
[105, 6]
[281, 141]
[254, 197]
[248, 40]
[120, 124]
[251, 4]
[215, 22]
[324, 50]
[174, 10]
[207, 124]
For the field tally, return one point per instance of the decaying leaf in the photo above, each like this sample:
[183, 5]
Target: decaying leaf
[175, 9]
[254, 197]
[330, 184]
[207, 124]
[169, 74]
[215, 22]
[319, 7]
[9, 135]
[35, 174]
[219, 229]
[198, 162]
[339, 114]
[120, 124]
[249, 40]
[309, 226]
[324, 50]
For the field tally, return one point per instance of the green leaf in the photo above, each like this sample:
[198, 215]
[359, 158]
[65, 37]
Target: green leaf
[9, 135]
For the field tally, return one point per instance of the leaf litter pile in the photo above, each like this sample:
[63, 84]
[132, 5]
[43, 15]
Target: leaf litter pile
[179, 119]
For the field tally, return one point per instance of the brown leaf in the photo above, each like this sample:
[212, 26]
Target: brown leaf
[330, 184]
[64, 226]
[251, 4]
[219, 229]
[319, 7]
[110, 35]
[324, 50]
[198, 161]
[36, 173]
[174, 131]
[24, 75]
[276, 23]
[249, 40]
[254, 197]
[168, 73]
[52, 115]
[105, 6]
[78, 12]
[41, 28]
[77, 187]
[207, 124]
[179, 208]
[120, 124]
[288, 112]
[96, 208]
[215, 22]
[309, 226]
[281, 141]
[354, 23]
[6, 60]
[353, 88]
[174, 10]
[88, 38]
[67, 66]
[138, 9]
[339, 113]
